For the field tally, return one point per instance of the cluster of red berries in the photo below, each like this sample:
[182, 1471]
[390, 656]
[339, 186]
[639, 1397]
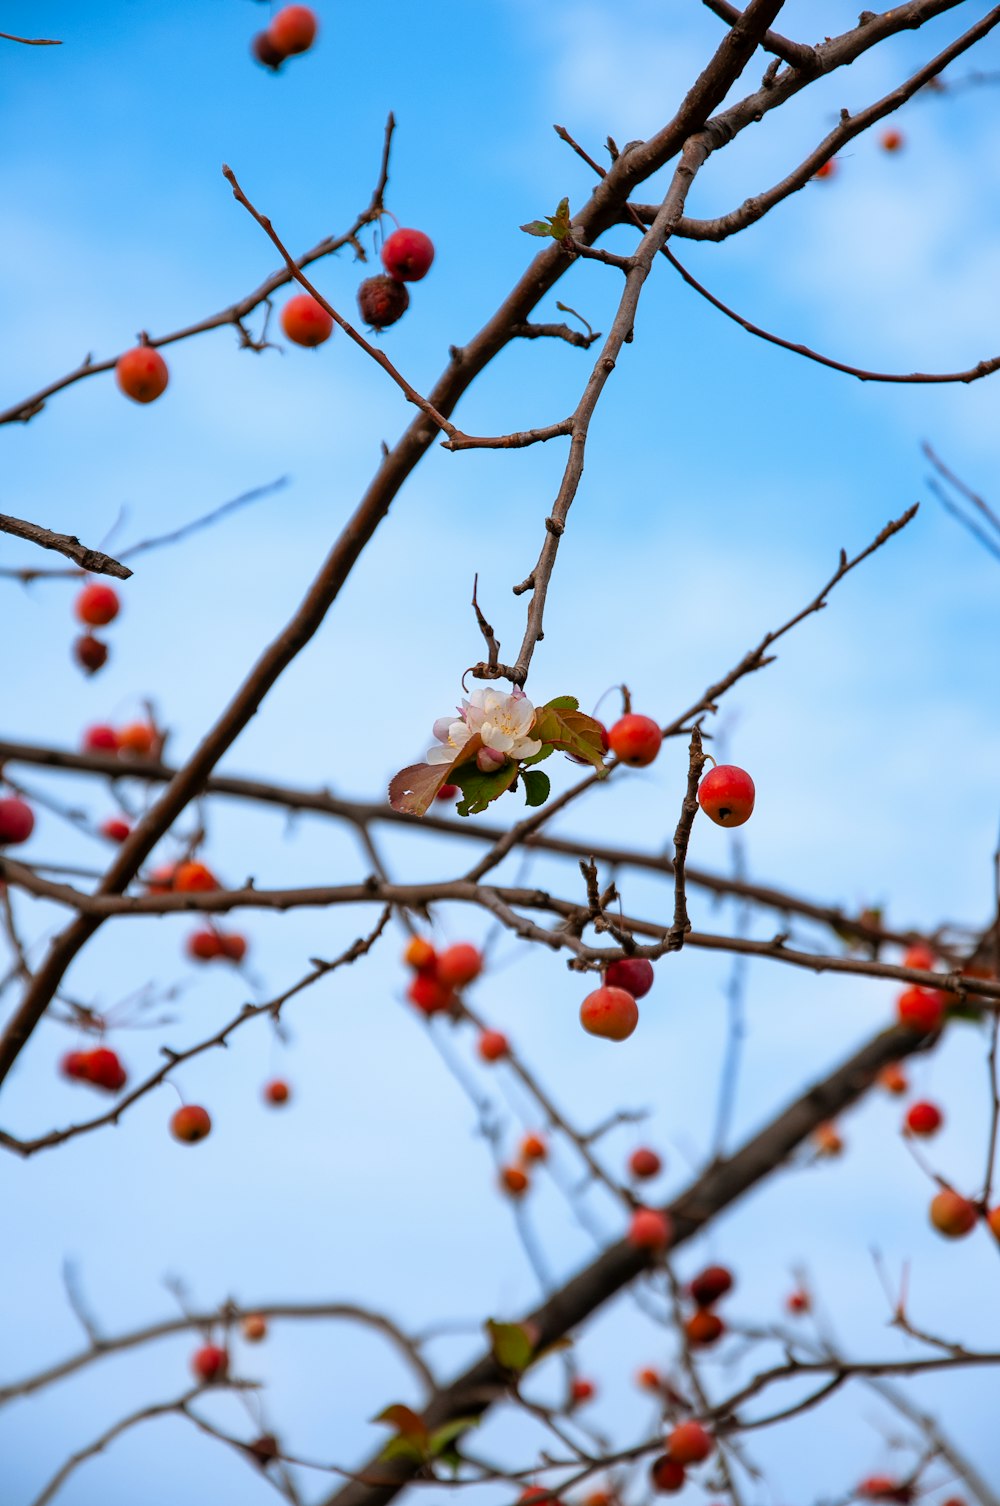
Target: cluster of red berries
[212, 946]
[292, 31]
[406, 257]
[101, 1067]
[921, 1009]
[438, 975]
[611, 1011]
[136, 740]
[688, 1443]
[515, 1179]
[17, 820]
[96, 606]
[704, 1327]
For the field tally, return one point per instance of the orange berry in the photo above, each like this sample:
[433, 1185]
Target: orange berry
[254, 1327]
[609, 1012]
[953, 1215]
[533, 1148]
[277, 1091]
[704, 1328]
[293, 29]
[142, 375]
[492, 1045]
[190, 1123]
[689, 1443]
[514, 1181]
[459, 964]
[650, 1229]
[305, 321]
[194, 878]
[419, 954]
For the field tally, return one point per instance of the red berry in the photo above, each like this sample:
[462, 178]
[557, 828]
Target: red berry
[194, 878]
[649, 1229]
[234, 946]
[115, 829]
[492, 1045]
[634, 974]
[190, 1123]
[459, 964]
[635, 739]
[649, 1379]
[429, 995]
[892, 141]
[666, 1474]
[883, 1488]
[210, 1363]
[953, 1215]
[161, 880]
[382, 300]
[254, 1327]
[90, 653]
[305, 321]
[798, 1302]
[293, 29]
[104, 1069]
[17, 820]
[644, 1162]
[138, 738]
[533, 1148]
[921, 1009]
[97, 604]
[277, 1091]
[920, 957]
[407, 255]
[827, 170]
[924, 1118]
[711, 1284]
[142, 375]
[513, 1180]
[204, 946]
[726, 795]
[893, 1079]
[993, 1220]
[689, 1443]
[266, 51]
[75, 1064]
[609, 1012]
[582, 1390]
[704, 1328]
[447, 792]
[100, 739]
[420, 955]
[828, 1140]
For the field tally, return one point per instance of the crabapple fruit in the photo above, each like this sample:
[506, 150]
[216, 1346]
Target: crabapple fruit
[194, 878]
[305, 321]
[649, 1229]
[704, 1328]
[666, 1474]
[17, 820]
[190, 1123]
[533, 1148]
[276, 1092]
[142, 375]
[267, 52]
[138, 738]
[293, 29]
[100, 739]
[210, 1364]
[429, 995]
[382, 300]
[921, 1009]
[419, 954]
[635, 739]
[513, 1181]
[644, 1162]
[582, 1390]
[894, 1079]
[90, 653]
[726, 795]
[953, 1215]
[407, 255]
[459, 964]
[492, 1045]
[798, 1302]
[711, 1284]
[104, 1069]
[924, 1118]
[892, 141]
[634, 974]
[97, 604]
[115, 829]
[254, 1327]
[689, 1443]
[609, 1012]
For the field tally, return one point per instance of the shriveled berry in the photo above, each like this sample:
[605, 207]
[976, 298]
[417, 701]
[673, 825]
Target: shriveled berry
[382, 300]
[90, 653]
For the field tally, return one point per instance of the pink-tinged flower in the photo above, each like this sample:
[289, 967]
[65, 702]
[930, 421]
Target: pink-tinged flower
[503, 722]
[451, 738]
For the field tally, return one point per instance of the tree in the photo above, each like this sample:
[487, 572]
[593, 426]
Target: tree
[477, 1281]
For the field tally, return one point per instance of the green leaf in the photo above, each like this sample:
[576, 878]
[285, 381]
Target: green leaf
[512, 1345]
[536, 787]
[443, 1436]
[563, 703]
[479, 789]
[546, 751]
[402, 1447]
[556, 225]
[413, 789]
[562, 725]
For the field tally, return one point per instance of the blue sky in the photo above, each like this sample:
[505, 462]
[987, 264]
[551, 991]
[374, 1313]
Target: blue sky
[723, 475]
